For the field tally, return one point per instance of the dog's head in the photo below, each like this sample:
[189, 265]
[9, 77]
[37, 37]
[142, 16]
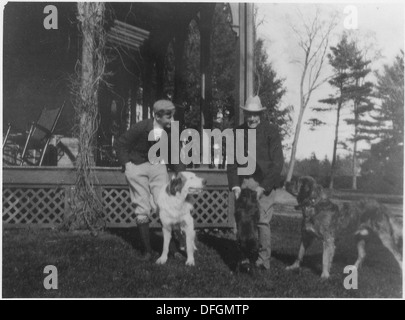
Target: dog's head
[185, 183]
[306, 189]
[292, 186]
[247, 216]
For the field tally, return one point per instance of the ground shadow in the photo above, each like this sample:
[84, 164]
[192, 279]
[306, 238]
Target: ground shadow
[312, 262]
[131, 236]
[226, 248]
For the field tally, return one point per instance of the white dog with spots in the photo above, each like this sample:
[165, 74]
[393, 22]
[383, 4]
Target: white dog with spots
[175, 208]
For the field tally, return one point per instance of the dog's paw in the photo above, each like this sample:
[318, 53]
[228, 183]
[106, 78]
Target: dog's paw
[178, 256]
[161, 260]
[190, 262]
[325, 276]
[294, 266]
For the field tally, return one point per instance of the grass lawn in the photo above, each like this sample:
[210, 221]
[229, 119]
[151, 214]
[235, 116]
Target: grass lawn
[108, 266]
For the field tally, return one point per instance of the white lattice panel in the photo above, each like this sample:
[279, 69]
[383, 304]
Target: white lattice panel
[47, 206]
[118, 207]
[210, 207]
[33, 206]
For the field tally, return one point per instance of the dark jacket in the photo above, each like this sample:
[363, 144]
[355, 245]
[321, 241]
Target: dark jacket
[269, 158]
[133, 146]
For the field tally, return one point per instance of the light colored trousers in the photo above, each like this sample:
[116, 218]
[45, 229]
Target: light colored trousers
[145, 182]
[266, 208]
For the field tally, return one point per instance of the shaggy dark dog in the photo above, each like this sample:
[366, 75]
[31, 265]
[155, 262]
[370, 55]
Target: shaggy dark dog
[247, 216]
[325, 220]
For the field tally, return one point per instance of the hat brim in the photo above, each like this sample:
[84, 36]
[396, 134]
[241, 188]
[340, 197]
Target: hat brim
[250, 110]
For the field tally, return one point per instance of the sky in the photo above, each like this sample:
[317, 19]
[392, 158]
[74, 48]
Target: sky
[380, 25]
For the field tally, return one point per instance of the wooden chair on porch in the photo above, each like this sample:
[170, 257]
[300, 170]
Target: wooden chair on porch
[38, 137]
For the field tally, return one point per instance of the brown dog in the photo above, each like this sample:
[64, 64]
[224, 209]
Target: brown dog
[247, 216]
[325, 220]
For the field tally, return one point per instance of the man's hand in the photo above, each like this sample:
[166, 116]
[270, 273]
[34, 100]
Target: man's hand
[236, 192]
[125, 166]
[259, 192]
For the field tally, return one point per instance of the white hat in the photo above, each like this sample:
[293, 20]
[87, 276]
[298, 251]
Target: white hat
[253, 104]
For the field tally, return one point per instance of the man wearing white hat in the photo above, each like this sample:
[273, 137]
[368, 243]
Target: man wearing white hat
[266, 178]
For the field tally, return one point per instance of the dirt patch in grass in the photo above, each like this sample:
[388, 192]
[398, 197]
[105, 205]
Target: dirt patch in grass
[108, 266]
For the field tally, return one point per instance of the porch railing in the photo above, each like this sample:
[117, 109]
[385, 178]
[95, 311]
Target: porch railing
[40, 197]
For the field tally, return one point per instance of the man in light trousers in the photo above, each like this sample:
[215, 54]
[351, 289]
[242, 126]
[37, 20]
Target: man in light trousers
[266, 178]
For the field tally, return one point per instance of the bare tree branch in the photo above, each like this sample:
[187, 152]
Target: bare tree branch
[314, 42]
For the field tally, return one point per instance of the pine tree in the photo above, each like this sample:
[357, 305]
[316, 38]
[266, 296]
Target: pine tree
[340, 60]
[390, 113]
[224, 61]
[360, 92]
[271, 89]
[383, 168]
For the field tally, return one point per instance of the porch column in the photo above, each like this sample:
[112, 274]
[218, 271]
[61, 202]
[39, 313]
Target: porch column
[206, 15]
[250, 48]
[179, 71]
[160, 68]
[133, 96]
[147, 86]
[243, 24]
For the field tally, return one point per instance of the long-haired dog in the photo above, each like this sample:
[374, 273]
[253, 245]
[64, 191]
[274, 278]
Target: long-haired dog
[246, 217]
[325, 220]
[174, 203]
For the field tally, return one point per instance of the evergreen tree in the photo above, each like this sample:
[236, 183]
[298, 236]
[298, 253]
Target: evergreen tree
[389, 115]
[383, 168]
[339, 59]
[224, 64]
[360, 92]
[271, 90]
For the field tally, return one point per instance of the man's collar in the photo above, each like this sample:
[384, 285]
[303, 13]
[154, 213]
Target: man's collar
[156, 125]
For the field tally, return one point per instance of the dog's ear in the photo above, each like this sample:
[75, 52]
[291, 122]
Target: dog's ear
[253, 196]
[308, 185]
[299, 184]
[317, 192]
[175, 185]
[302, 187]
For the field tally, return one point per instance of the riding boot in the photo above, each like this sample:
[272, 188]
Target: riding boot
[145, 241]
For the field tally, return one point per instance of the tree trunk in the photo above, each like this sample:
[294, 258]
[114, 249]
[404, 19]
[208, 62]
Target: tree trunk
[294, 146]
[91, 15]
[303, 104]
[86, 205]
[354, 166]
[333, 169]
[356, 118]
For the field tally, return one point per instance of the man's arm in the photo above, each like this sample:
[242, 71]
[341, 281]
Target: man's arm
[232, 173]
[124, 143]
[232, 170]
[277, 160]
